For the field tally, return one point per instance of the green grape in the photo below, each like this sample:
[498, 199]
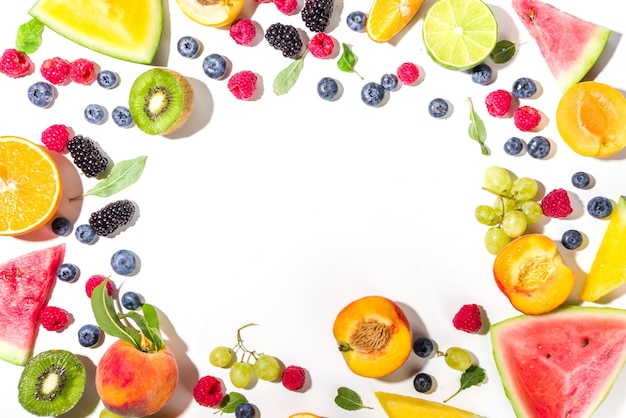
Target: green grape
[487, 215]
[241, 374]
[524, 188]
[496, 239]
[532, 210]
[458, 358]
[498, 180]
[514, 223]
[221, 356]
[266, 367]
[503, 203]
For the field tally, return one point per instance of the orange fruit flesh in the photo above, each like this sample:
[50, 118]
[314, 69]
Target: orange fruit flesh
[388, 17]
[30, 186]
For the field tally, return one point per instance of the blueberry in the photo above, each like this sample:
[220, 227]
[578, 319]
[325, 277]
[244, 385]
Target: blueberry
[372, 94]
[215, 66]
[423, 347]
[124, 262]
[513, 146]
[538, 147]
[107, 79]
[389, 81]
[571, 239]
[438, 108]
[89, 335]
[422, 382]
[581, 180]
[327, 88]
[122, 117]
[68, 272]
[131, 301]
[41, 94]
[600, 207]
[94, 113]
[245, 410]
[524, 88]
[188, 47]
[86, 234]
[61, 226]
[481, 74]
[356, 21]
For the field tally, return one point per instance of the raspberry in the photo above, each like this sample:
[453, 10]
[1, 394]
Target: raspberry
[321, 45]
[556, 204]
[287, 7]
[408, 73]
[293, 377]
[56, 70]
[468, 319]
[94, 281]
[243, 31]
[15, 63]
[208, 391]
[242, 84]
[526, 118]
[56, 137]
[498, 103]
[82, 71]
[53, 318]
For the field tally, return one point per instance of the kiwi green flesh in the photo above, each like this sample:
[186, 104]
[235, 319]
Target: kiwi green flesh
[51, 383]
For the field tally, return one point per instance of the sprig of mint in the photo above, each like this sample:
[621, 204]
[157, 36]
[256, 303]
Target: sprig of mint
[29, 36]
[229, 402]
[503, 51]
[349, 400]
[122, 175]
[286, 79]
[347, 61]
[473, 376]
[477, 130]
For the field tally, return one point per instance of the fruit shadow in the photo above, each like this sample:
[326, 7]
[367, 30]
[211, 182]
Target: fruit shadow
[90, 399]
[163, 52]
[605, 56]
[201, 113]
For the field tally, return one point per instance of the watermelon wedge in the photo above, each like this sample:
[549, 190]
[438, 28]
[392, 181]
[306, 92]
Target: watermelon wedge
[569, 45]
[560, 364]
[26, 283]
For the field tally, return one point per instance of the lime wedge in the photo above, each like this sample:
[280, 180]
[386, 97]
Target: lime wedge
[459, 34]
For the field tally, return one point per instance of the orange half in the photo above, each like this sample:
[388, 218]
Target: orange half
[30, 186]
[388, 17]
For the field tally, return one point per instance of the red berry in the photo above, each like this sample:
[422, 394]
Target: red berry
[468, 319]
[498, 103]
[556, 204]
[53, 318]
[287, 7]
[321, 45]
[526, 118]
[94, 281]
[293, 377]
[243, 84]
[243, 31]
[15, 63]
[208, 391]
[82, 71]
[56, 70]
[56, 137]
[408, 73]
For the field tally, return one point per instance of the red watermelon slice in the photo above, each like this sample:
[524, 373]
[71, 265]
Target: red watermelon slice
[26, 283]
[560, 364]
[569, 45]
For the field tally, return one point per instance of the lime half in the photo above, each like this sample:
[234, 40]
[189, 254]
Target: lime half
[459, 34]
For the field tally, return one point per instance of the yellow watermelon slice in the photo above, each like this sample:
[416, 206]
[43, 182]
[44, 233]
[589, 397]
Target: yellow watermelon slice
[401, 406]
[569, 45]
[128, 30]
[560, 364]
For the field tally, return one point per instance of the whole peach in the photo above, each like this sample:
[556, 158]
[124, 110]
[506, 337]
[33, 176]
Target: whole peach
[133, 383]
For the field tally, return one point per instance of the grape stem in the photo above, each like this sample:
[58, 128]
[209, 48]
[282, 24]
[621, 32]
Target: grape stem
[242, 347]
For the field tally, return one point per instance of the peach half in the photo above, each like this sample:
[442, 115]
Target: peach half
[373, 335]
[532, 274]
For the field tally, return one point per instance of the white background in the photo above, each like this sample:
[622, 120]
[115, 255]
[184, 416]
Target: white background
[283, 209]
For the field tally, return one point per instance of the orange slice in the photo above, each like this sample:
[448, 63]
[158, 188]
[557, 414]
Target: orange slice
[387, 17]
[30, 186]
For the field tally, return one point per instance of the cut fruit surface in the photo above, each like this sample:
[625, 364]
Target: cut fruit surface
[128, 30]
[388, 17]
[459, 34]
[401, 406]
[30, 186]
[211, 12]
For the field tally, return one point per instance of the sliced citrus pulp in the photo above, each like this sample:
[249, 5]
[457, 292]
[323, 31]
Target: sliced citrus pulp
[30, 186]
[387, 17]
[459, 34]
[211, 12]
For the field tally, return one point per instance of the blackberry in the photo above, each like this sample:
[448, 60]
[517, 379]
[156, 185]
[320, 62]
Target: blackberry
[87, 156]
[316, 14]
[285, 38]
[112, 217]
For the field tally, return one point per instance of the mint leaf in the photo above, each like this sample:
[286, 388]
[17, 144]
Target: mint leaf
[122, 175]
[347, 61]
[230, 401]
[503, 51]
[107, 319]
[477, 130]
[286, 79]
[473, 376]
[349, 400]
[29, 36]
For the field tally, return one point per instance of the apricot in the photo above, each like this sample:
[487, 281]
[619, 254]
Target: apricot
[134, 383]
[373, 335]
[532, 274]
[591, 119]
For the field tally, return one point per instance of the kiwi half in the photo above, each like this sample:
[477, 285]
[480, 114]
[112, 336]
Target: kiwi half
[51, 383]
[160, 101]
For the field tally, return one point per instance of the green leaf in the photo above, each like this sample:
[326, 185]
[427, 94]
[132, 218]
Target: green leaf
[477, 130]
[286, 79]
[230, 401]
[152, 335]
[28, 38]
[349, 400]
[122, 175]
[473, 376]
[347, 61]
[503, 51]
[107, 318]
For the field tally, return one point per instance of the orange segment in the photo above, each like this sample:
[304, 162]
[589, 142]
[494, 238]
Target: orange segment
[30, 186]
[387, 17]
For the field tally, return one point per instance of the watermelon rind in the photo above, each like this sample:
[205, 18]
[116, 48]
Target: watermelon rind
[588, 57]
[517, 332]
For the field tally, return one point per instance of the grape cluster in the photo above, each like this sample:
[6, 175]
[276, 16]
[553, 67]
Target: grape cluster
[513, 210]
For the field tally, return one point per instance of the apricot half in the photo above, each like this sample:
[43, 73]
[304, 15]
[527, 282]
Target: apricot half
[373, 335]
[591, 119]
[531, 273]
